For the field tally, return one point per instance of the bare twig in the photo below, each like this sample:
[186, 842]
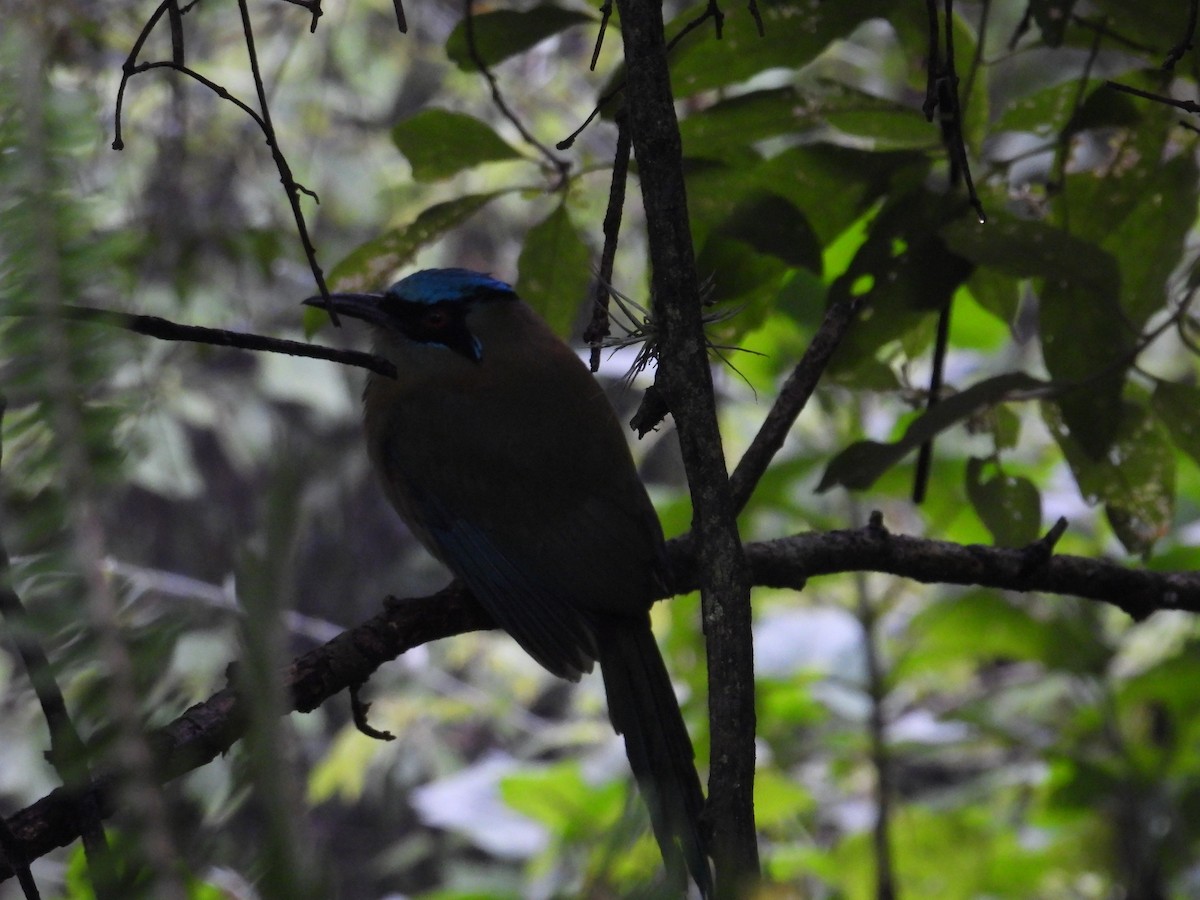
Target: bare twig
[710, 11]
[1189, 35]
[561, 166]
[598, 327]
[314, 7]
[261, 117]
[933, 60]
[936, 375]
[175, 17]
[164, 329]
[290, 186]
[752, 7]
[1190, 106]
[793, 397]
[941, 95]
[1101, 28]
[605, 14]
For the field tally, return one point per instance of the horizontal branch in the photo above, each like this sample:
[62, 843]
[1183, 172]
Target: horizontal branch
[210, 728]
[166, 330]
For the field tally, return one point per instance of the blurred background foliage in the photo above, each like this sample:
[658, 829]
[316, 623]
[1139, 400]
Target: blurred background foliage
[1034, 746]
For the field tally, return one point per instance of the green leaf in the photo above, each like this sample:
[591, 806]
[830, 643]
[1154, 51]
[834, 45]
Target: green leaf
[365, 268]
[859, 465]
[779, 801]
[438, 143]
[1028, 249]
[1086, 345]
[1097, 199]
[772, 225]
[726, 129]
[1150, 23]
[1085, 335]
[729, 126]
[1149, 241]
[998, 293]
[1178, 408]
[1005, 427]
[555, 270]
[1046, 112]
[979, 627]
[743, 278]
[504, 33]
[1009, 506]
[560, 798]
[883, 125]
[795, 31]
[1135, 479]
[908, 272]
[983, 626]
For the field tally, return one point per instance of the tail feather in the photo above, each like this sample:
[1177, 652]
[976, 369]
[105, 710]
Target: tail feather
[642, 707]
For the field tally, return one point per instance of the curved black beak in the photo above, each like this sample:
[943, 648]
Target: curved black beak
[356, 306]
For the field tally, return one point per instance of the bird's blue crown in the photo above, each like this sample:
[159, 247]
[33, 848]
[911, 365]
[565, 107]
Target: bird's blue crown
[439, 285]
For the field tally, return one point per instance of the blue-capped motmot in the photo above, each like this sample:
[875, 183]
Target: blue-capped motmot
[501, 452]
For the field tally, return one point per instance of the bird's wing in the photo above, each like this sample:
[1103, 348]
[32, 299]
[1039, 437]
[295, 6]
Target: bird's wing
[550, 629]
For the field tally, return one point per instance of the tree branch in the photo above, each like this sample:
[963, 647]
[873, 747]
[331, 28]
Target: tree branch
[685, 382]
[166, 330]
[210, 728]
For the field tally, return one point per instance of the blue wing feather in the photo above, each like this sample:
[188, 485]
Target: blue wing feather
[553, 632]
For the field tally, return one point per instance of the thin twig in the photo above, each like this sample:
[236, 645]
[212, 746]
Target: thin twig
[165, 329]
[925, 454]
[401, 19]
[1189, 35]
[951, 107]
[793, 397]
[129, 69]
[985, 13]
[1190, 106]
[605, 14]
[1102, 29]
[598, 328]
[261, 117]
[567, 142]
[290, 186]
[933, 60]
[943, 84]
[1022, 27]
[752, 7]
[712, 10]
[175, 17]
[561, 166]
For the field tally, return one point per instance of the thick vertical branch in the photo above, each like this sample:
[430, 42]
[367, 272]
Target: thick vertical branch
[685, 382]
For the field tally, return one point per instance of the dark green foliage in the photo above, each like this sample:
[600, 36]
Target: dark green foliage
[1037, 746]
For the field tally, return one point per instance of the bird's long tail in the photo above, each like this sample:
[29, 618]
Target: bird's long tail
[642, 707]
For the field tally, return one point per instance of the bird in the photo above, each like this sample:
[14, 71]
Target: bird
[500, 451]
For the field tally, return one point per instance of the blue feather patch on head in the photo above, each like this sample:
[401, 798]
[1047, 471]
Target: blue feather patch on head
[438, 285]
